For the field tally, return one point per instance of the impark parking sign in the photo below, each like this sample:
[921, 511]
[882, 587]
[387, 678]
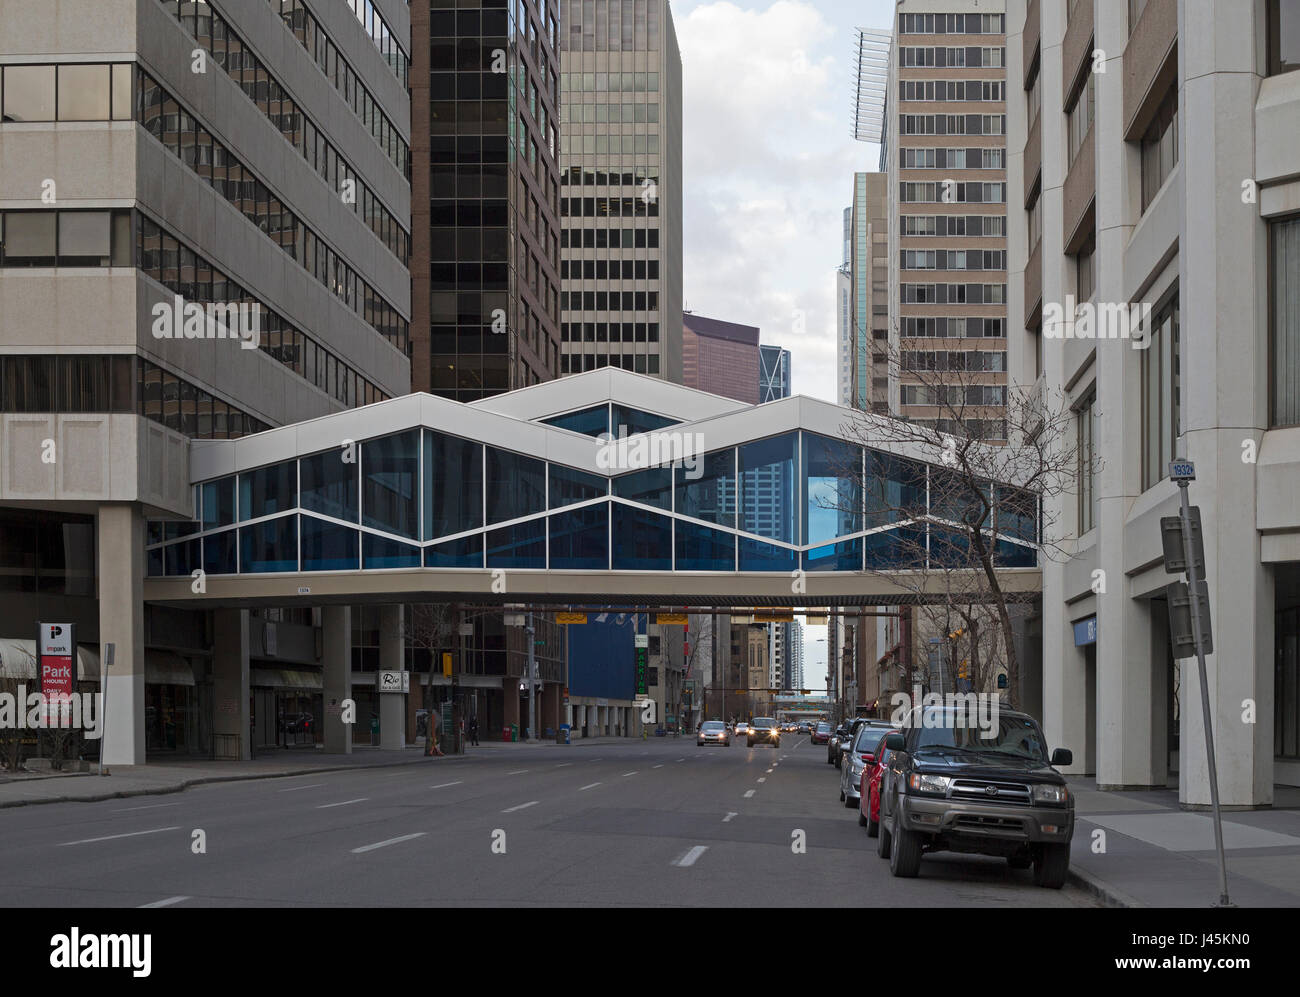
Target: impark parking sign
[56, 660]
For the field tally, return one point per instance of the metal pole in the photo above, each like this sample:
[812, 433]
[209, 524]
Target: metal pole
[104, 664]
[532, 684]
[1192, 583]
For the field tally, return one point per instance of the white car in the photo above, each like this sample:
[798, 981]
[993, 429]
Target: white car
[742, 728]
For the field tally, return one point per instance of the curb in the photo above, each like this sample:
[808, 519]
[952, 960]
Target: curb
[1104, 892]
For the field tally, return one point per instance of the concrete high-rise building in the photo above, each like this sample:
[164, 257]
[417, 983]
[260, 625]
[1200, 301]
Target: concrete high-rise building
[621, 188]
[721, 357]
[485, 89]
[869, 293]
[1154, 171]
[844, 339]
[945, 152]
[186, 255]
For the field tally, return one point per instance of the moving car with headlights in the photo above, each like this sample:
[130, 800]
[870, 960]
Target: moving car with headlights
[953, 785]
[742, 728]
[869, 788]
[857, 757]
[713, 732]
[764, 731]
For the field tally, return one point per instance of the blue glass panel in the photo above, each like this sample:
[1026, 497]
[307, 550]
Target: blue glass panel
[700, 548]
[329, 484]
[219, 553]
[467, 552]
[269, 546]
[453, 485]
[953, 498]
[895, 489]
[707, 490]
[767, 487]
[589, 421]
[327, 546]
[1017, 513]
[949, 548]
[569, 486]
[522, 545]
[182, 558]
[832, 498]
[629, 421]
[758, 556]
[154, 559]
[390, 474]
[900, 548]
[219, 503]
[843, 555]
[1009, 555]
[653, 486]
[516, 485]
[580, 539]
[643, 540]
[268, 490]
[380, 552]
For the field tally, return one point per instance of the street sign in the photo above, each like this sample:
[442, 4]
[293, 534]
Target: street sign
[570, 618]
[446, 664]
[393, 681]
[671, 619]
[514, 620]
[1171, 536]
[768, 617]
[1181, 630]
[641, 668]
[467, 629]
[56, 664]
[642, 640]
[1182, 470]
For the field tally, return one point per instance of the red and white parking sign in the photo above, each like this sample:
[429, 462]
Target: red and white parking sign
[56, 649]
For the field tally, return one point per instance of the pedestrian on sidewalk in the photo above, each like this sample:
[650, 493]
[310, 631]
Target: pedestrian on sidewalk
[473, 731]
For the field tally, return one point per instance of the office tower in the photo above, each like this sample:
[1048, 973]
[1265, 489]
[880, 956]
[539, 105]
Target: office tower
[621, 188]
[486, 231]
[1155, 282]
[843, 317]
[206, 234]
[773, 373]
[720, 357]
[945, 153]
[869, 293]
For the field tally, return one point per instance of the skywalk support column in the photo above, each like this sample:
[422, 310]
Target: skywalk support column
[336, 680]
[392, 705]
[230, 691]
[119, 536]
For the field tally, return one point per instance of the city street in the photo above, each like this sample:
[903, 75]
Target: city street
[657, 822]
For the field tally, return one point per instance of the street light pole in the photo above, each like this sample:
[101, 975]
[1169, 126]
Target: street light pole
[532, 681]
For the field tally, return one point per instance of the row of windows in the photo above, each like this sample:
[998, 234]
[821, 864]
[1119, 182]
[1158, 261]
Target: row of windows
[377, 28]
[952, 124]
[956, 360]
[1079, 118]
[952, 394]
[946, 327]
[71, 92]
[609, 332]
[993, 90]
[576, 113]
[610, 145]
[609, 207]
[953, 259]
[609, 238]
[982, 226]
[187, 408]
[230, 52]
[601, 301]
[576, 176]
[953, 294]
[65, 239]
[931, 158]
[609, 269]
[952, 192]
[45, 383]
[609, 82]
[952, 24]
[576, 363]
[190, 142]
[971, 56]
[1160, 147]
[596, 25]
[988, 430]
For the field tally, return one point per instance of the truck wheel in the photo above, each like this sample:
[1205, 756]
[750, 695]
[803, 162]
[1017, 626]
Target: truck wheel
[885, 840]
[905, 855]
[1051, 863]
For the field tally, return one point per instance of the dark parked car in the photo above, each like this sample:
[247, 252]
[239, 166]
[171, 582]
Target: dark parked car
[858, 753]
[954, 786]
[764, 731]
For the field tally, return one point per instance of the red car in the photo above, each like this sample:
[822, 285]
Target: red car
[869, 790]
[821, 733]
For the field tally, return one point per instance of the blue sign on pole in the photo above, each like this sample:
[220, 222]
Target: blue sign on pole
[1085, 632]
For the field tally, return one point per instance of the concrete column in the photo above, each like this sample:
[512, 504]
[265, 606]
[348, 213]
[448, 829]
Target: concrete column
[336, 664]
[230, 692]
[392, 705]
[119, 536]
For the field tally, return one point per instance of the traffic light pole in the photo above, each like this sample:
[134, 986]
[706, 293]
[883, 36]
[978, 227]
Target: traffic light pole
[532, 682]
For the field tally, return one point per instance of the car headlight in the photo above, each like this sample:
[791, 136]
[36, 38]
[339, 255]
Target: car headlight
[1047, 793]
[919, 782]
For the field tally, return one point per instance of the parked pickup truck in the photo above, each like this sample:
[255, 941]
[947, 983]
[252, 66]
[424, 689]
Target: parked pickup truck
[954, 786]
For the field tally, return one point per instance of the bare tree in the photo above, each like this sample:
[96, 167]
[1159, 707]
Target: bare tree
[430, 626]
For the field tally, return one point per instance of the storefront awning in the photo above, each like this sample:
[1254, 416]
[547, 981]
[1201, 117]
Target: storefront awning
[285, 678]
[166, 668]
[18, 660]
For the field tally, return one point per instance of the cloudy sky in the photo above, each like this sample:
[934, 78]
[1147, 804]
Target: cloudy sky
[768, 159]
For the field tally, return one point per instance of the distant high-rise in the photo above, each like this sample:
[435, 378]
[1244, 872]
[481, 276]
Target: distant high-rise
[773, 373]
[844, 317]
[720, 357]
[869, 293]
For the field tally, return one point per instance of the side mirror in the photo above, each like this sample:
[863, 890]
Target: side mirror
[894, 742]
[869, 759]
[1062, 756]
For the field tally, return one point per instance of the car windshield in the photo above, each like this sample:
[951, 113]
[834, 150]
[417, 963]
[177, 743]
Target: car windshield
[823, 728]
[868, 738]
[712, 725]
[1016, 736]
[763, 721]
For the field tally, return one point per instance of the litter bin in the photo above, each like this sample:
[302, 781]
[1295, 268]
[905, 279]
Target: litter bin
[514, 732]
[505, 733]
[562, 735]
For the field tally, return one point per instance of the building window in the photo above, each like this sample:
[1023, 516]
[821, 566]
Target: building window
[1086, 421]
[1284, 321]
[1079, 116]
[1135, 8]
[1085, 282]
[1035, 216]
[1161, 393]
[1283, 36]
[1034, 98]
[1160, 147]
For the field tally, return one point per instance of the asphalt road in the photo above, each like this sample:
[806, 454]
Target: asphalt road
[659, 822]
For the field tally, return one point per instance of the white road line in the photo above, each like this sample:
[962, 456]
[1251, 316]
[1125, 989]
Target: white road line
[164, 903]
[656, 766]
[748, 793]
[691, 856]
[590, 785]
[564, 765]
[626, 774]
[730, 814]
[444, 785]
[769, 771]
[151, 806]
[681, 759]
[111, 837]
[762, 778]
[359, 799]
[522, 806]
[294, 789]
[518, 772]
[384, 844]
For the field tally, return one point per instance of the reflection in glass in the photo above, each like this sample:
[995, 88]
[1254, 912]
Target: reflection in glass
[653, 486]
[589, 421]
[895, 489]
[568, 487]
[712, 495]
[1010, 555]
[219, 556]
[758, 556]
[643, 540]
[453, 485]
[390, 471]
[832, 488]
[580, 539]
[269, 546]
[380, 552]
[516, 485]
[268, 490]
[329, 485]
[467, 552]
[218, 502]
[182, 558]
[522, 545]
[700, 548]
[29, 93]
[327, 546]
[83, 92]
[903, 547]
[629, 421]
[844, 555]
[767, 487]
[1017, 513]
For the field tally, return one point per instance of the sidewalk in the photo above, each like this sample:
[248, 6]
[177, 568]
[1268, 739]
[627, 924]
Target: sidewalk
[1159, 855]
